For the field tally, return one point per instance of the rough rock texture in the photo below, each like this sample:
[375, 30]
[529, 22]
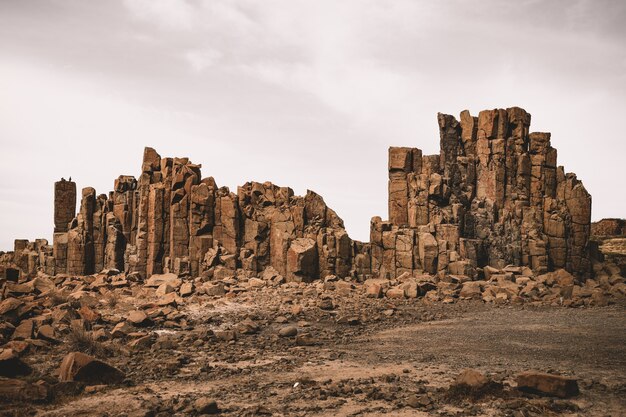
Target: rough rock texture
[493, 197]
[547, 384]
[609, 237]
[609, 227]
[173, 220]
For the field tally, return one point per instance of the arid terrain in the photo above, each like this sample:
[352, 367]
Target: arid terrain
[488, 291]
[264, 348]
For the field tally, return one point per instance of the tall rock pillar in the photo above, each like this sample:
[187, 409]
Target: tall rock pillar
[64, 212]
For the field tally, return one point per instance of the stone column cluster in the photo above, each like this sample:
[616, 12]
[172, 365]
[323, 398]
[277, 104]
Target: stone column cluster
[173, 220]
[493, 196]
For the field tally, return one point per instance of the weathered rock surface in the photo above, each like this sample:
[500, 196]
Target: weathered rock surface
[494, 196]
[547, 384]
[77, 366]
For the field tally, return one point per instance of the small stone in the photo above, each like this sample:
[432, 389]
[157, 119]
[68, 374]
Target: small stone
[248, 327]
[157, 280]
[168, 299]
[9, 304]
[418, 401]
[11, 365]
[24, 330]
[256, 283]
[163, 289]
[46, 332]
[144, 342]
[186, 289]
[138, 317]
[395, 293]
[206, 406]
[288, 331]
[471, 289]
[305, 339]
[326, 304]
[214, 289]
[472, 379]
[226, 335]
[121, 329]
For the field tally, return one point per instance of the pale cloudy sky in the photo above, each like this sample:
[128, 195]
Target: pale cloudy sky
[308, 94]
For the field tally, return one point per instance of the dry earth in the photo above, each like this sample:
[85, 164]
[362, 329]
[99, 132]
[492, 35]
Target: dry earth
[361, 357]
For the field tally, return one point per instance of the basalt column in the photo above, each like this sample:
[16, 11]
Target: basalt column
[64, 212]
[493, 196]
[151, 174]
[80, 252]
[201, 222]
[99, 232]
[185, 176]
[123, 198]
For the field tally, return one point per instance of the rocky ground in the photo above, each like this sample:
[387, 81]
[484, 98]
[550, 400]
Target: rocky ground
[259, 346]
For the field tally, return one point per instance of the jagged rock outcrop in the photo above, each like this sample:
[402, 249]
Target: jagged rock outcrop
[173, 220]
[494, 196]
[609, 228]
[609, 237]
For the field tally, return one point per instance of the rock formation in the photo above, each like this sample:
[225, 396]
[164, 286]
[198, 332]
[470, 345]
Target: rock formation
[173, 220]
[494, 196]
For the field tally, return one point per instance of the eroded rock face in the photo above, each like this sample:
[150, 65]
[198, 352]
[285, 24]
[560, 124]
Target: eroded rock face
[172, 220]
[494, 196]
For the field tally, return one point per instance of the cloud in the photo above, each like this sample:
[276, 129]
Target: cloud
[202, 59]
[168, 14]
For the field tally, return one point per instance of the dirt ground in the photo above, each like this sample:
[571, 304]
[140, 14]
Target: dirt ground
[355, 357]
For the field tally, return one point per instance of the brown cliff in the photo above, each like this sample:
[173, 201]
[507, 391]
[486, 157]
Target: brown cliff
[493, 196]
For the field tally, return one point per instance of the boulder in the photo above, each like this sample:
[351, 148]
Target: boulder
[157, 280]
[138, 318]
[472, 379]
[547, 384]
[288, 331]
[206, 406]
[77, 366]
[11, 365]
[471, 289]
[302, 260]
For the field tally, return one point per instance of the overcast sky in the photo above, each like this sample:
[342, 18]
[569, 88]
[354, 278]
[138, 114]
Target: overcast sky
[307, 94]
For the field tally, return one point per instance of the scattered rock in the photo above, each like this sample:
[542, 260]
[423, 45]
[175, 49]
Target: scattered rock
[547, 384]
[157, 280]
[206, 406]
[77, 366]
[19, 390]
[11, 365]
[138, 318]
[288, 331]
[471, 379]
